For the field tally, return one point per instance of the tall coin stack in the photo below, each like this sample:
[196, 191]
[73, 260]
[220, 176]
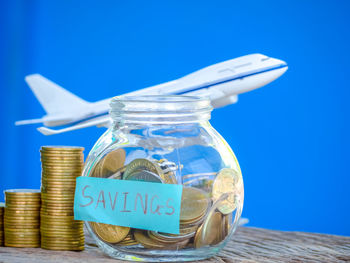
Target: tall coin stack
[22, 218]
[2, 206]
[60, 167]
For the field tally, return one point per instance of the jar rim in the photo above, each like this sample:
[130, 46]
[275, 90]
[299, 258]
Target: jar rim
[157, 108]
[161, 98]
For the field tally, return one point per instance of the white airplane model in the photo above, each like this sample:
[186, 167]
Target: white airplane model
[221, 82]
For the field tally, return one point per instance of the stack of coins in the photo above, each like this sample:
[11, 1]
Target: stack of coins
[22, 218]
[2, 206]
[60, 167]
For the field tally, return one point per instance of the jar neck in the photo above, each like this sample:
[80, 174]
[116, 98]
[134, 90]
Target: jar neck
[159, 110]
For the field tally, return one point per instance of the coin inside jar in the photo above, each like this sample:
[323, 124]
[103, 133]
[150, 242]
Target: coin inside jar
[110, 233]
[210, 232]
[110, 163]
[142, 175]
[194, 204]
[228, 181]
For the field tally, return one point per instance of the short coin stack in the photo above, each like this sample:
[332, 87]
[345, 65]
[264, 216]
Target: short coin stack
[2, 206]
[22, 218]
[60, 167]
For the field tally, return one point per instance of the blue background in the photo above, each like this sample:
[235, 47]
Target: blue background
[291, 137]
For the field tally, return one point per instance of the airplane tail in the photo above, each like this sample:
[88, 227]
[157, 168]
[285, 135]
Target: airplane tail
[54, 98]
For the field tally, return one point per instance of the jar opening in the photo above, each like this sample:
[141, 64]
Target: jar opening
[160, 109]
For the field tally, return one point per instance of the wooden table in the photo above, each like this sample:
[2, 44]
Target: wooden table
[247, 245]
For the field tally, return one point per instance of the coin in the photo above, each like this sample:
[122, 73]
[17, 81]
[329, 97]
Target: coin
[194, 204]
[63, 234]
[227, 224]
[145, 176]
[56, 247]
[111, 163]
[31, 244]
[61, 148]
[161, 237]
[110, 233]
[22, 192]
[63, 174]
[142, 237]
[209, 232]
[228, 181]
[142, 165]
[74, 161]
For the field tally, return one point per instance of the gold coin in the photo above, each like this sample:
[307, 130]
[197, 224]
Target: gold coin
[139, 165]
[58, 183]
[22, 192]
[21, 212]
[57, 188]
[60, 178]
[194, 204]
[31, 244]
[63, 240]
[227, 224]
[126, 244]
[58, 162]
[60, 157]
[209, 233]
[111, 163]
[67, 195]
[61, 223]
[59, 209]
[52, 182]
[22, 226]
[184, 229]
[12, 231]
[64, 173]
[57, 217]
[60, 153]
[61, 169]
[14, 203]
[25, 240]
[142, 237]
[76, 230]
[61, 148]
[67, 236]
[64, 165]
[20, 234]
[55, 191]
[10, 197]
[62, 248]
[228, 181]
[57, 213]
[110, 233]
[163, 239]
[21, 218]
[60, 234]
[22, 238]
[59, 199]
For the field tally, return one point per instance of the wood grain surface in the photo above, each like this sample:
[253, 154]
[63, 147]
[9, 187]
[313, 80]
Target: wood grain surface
[247, 245]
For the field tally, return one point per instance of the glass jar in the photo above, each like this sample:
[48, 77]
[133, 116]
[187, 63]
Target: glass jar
[168, 139]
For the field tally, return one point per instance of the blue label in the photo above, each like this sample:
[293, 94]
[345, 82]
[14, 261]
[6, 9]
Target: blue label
[137, 204]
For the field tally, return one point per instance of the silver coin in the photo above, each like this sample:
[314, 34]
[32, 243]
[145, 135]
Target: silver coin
[143, 175]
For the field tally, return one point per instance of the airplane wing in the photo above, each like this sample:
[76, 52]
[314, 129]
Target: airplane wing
[100, 122]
